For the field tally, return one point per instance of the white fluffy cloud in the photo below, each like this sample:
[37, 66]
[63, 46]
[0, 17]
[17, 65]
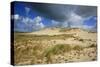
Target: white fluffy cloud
[26, 20]
[15, 17]
[40, 25]
[27, 9]
[55, 23]
[37, 19]
[75, 20]
[38, 22]
[35, 23]
[87, 27]
[65, 24]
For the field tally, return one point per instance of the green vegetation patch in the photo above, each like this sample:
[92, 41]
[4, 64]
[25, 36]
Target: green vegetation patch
[78, 48]
[58, 49]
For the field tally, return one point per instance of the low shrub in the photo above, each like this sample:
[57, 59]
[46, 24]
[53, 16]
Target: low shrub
[77, 47]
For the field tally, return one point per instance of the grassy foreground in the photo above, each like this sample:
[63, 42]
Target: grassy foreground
[40, 49]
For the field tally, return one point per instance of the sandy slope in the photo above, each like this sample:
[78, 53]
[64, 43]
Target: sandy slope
[47, 31]
[56, 31]
[79, 37]
[78, 33]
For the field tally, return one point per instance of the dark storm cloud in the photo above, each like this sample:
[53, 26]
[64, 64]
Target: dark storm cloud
[53, 11]
[59, 15]
[86, 11]
[62, 12]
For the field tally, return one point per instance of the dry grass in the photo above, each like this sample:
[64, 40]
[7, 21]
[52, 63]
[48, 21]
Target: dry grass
[78, 48]
[29, 49]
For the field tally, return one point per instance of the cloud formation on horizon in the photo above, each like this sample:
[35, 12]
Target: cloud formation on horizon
[26, 24]
[63, 16]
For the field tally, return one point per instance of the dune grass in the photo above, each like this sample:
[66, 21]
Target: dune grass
[24, 37]
[78, 48]
[31, 50]
[55, 50]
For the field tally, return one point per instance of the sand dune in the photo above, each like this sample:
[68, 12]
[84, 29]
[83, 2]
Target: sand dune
[55, 45]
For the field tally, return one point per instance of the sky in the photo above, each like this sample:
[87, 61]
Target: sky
[29, 17]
